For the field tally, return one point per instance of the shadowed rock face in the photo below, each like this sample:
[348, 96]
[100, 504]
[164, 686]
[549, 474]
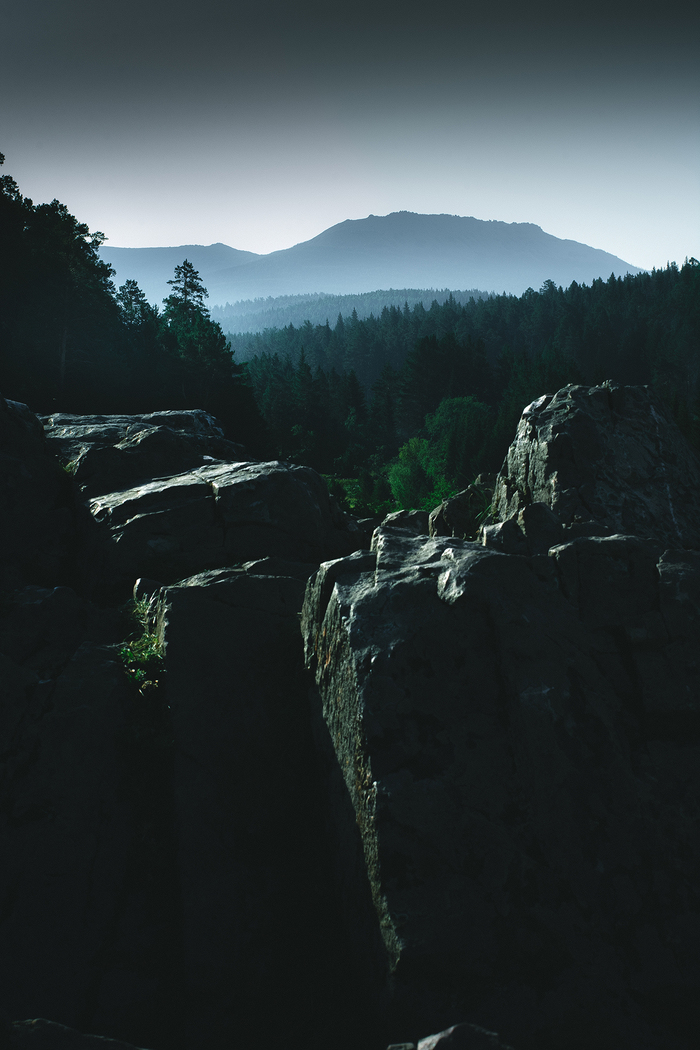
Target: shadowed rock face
[40, 1034]
[519, 733]
[37, 523]
[167, 874]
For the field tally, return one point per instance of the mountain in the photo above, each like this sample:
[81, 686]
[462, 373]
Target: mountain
[153, 267]
[400, 250]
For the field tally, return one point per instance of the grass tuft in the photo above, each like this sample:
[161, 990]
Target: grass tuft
[142, 655]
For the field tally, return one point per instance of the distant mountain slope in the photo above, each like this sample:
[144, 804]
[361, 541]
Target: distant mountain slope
[404, 250]
[154, 267]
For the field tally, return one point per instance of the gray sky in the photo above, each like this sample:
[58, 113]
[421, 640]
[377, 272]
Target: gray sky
[260, 124]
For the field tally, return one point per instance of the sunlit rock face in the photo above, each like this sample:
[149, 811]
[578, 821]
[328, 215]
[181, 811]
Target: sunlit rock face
[168, 497]
[519, 736]
[604, 459]
[111, 453]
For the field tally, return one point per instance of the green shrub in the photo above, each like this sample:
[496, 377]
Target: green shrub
[142, 655]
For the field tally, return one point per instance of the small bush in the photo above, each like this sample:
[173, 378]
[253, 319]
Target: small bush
[142, 655]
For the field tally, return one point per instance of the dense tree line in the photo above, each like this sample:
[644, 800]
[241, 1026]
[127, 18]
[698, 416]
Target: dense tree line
[640, 329]
[255, 315]
[70, 342]
[401, 408]
[423, 400]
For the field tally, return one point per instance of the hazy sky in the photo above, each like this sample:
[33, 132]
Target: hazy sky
[260, 124]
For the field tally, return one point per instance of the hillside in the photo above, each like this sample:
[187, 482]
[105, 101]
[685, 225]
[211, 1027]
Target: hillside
[401, 250]
[152, 268]
[255, 315]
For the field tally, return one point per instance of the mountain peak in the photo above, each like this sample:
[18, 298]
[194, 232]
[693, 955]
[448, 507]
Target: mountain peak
[403, 249]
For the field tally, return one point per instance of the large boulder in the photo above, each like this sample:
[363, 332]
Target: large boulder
[110, 453]
[603, 459]
[519, 740]
[523, 763]
[218, 515]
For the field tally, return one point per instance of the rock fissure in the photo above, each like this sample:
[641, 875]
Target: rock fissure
[485, 808]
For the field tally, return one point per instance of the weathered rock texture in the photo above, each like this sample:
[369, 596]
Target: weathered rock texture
[166, 874]
[461, 515]
[607, 457]
[462, 1037]
[172, 497]
[520, 740]
[215, 516]
[488, 813]
[108, 453]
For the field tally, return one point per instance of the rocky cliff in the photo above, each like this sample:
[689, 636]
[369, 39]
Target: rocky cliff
[517, 721]
[475, 806]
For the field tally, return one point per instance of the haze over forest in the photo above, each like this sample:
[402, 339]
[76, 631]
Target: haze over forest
[401, 250]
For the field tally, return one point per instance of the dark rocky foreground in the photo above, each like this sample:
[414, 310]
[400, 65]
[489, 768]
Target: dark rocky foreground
[463, 799]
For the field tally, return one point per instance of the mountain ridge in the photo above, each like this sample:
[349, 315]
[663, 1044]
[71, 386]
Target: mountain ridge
[401, 249]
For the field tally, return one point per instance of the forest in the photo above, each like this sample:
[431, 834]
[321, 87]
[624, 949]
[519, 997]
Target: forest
[398, 409]
[254, 315]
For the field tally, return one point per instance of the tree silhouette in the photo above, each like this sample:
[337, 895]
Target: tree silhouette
[188, 291]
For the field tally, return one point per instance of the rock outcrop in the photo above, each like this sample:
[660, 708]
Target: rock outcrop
[218, 515]
[479, 814]
[519, 735]
[461, 515]
[109, 453]
[172, 498]
[166, 869]
[604, 460]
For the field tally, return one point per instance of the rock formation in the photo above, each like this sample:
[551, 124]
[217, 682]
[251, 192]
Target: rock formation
[166, 874]
[518, 726]
[474, 811]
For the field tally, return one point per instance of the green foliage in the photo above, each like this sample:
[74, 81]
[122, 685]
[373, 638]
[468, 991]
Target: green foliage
[188, 292]
[433, 467]
[142, 654]
[411, 482]
[71, 343]
[458, 433]
[367, 496]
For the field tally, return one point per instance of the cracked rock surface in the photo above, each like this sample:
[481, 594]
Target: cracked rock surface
[604, 459]
[517, 723]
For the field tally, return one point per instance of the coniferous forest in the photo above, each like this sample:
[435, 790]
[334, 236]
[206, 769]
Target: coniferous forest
[399, 409]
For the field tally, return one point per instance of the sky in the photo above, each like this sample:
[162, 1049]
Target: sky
[261, 123]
